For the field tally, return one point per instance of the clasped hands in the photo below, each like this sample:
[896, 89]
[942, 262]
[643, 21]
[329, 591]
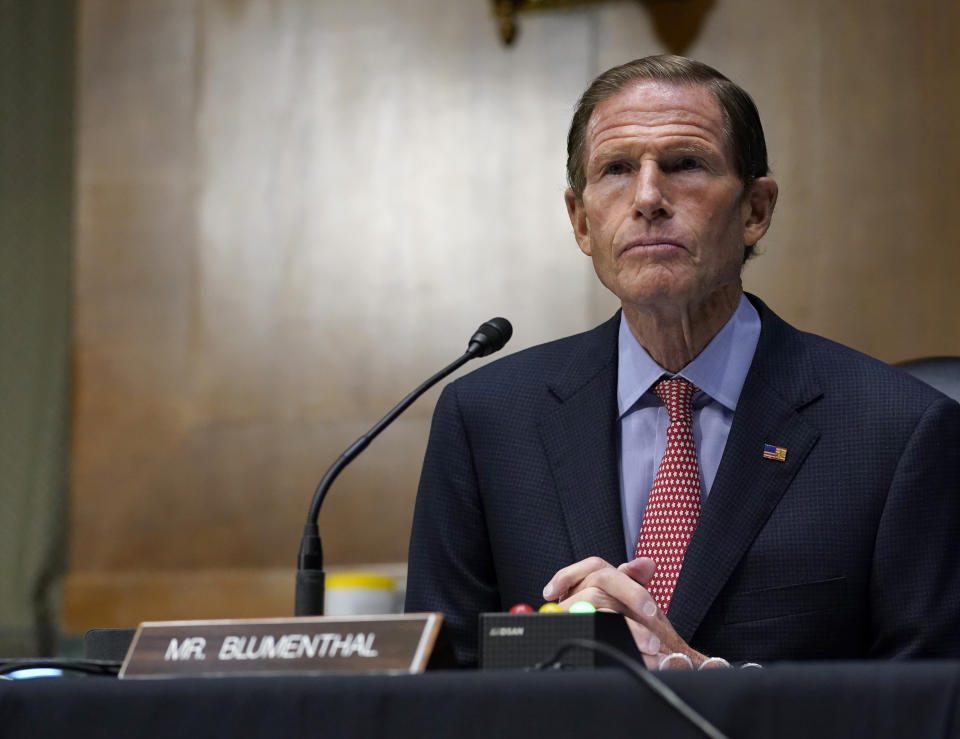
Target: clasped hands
[623, 590]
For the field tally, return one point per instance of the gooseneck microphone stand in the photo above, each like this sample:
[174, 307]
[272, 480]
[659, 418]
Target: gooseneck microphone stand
[490, 337]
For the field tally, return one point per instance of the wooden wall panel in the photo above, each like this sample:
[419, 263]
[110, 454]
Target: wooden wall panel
[894, 265]
[291, 212]
[858, 106]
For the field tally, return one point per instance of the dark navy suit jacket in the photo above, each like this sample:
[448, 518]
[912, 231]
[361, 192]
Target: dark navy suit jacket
[849, 548]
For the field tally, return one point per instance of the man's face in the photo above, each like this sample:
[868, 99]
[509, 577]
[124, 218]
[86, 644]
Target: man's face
[664, 215]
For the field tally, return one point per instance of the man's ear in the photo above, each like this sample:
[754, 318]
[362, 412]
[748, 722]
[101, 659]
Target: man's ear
[578, 219]
[759, 203]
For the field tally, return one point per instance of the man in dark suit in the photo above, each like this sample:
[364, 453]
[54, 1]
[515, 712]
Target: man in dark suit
[734, 487]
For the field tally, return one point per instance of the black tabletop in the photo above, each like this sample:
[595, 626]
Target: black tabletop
[917, 699]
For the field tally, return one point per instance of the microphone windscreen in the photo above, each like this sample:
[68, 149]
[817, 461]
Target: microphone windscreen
[490, 337]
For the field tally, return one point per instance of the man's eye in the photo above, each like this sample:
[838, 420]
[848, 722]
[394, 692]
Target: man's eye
[687, 163]
[615, 168]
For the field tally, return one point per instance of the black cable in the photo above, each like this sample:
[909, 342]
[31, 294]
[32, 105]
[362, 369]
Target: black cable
[639, 672]
[108, 668]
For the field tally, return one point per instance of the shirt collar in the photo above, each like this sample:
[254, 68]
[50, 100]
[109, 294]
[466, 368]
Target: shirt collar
[719, 370]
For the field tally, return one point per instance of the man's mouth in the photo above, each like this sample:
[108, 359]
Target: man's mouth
[651, 245]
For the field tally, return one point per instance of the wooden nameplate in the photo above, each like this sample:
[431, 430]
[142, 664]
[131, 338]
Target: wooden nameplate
[390, 644]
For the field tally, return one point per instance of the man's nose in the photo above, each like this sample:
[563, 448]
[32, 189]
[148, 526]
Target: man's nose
[648, 200]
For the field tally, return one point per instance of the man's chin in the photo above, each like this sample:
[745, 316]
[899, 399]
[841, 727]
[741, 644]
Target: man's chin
[658, 295]
[659, 289]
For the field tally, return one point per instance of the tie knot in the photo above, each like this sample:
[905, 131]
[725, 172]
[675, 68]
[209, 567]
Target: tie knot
[677, 395]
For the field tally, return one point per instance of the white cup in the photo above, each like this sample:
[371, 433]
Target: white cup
[359, 594]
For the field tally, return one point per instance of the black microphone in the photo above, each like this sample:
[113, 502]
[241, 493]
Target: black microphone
[489, 338]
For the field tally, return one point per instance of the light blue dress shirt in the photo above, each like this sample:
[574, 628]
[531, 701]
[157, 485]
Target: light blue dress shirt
[719, 371]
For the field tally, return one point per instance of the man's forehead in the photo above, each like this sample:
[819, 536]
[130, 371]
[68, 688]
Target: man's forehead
[653, 103]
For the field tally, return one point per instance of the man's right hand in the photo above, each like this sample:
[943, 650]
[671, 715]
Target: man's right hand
[623, 590]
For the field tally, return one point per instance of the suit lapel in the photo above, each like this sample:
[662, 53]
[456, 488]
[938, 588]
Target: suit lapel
[579, 436]
[747, 486]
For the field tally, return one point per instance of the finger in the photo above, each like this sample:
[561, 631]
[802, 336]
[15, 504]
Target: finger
[647, 642]
[640, 569]
[651, 661]
[623, 594]
[596, 597]
[631, 597]
[570, 577]
[653, 635]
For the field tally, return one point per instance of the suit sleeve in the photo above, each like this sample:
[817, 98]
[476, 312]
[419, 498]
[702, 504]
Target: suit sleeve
[450, 563]
[915, 580]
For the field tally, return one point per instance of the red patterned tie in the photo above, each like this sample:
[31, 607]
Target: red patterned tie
[673, 507]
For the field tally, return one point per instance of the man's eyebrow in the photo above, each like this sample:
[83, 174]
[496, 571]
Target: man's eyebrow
[616, 151]
[609, 152]
[690, 148]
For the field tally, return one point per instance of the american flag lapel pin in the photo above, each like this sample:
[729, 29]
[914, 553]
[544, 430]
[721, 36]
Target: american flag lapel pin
[778, 453]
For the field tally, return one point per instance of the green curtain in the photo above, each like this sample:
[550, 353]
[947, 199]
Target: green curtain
[36, 292]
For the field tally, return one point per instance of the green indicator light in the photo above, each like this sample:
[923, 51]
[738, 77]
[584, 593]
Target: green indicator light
[582, 606]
